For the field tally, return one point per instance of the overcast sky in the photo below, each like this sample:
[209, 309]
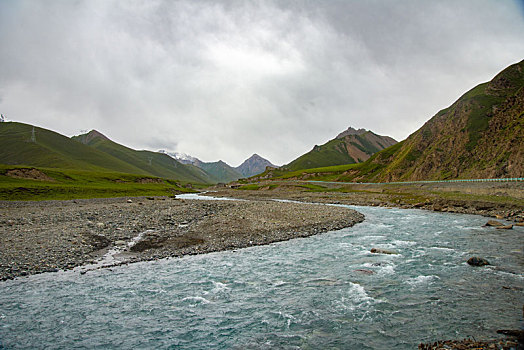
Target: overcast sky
[226, 79]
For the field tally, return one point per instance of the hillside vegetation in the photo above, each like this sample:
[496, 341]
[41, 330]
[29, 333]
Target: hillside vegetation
[147, 162]
[28, 145]
[31, 183]
[478, 136]
[220, 171]
[52, 150]
[351, 147]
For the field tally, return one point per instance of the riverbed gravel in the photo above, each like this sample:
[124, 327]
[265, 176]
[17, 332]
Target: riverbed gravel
[48, 236]
[497, 200]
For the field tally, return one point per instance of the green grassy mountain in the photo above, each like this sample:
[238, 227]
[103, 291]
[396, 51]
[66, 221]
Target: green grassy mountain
[24, 144]
[349, 147]
[220, 171]
[46, 148]
[481, 135]
[151, 163]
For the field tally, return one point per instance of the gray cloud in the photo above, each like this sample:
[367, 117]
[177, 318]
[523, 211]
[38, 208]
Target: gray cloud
[228, 79]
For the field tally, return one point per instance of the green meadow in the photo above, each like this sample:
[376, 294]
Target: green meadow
[44, 184]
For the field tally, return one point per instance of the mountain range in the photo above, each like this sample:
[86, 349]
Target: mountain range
[478, 136]
[24, 144]
[223, 172]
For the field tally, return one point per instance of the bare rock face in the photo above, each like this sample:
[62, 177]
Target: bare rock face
[351, 131]
[254, 165]
[476, 261]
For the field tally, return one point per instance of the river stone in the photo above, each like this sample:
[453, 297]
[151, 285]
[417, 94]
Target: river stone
[476, 261]
[493, 223]
[507, 227]
[120, 242]
[382, 251]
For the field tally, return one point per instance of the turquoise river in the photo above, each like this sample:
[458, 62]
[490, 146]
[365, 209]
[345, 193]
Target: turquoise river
[323, 292]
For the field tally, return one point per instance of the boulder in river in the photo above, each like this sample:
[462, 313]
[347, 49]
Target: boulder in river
[476, 261]
[365, 272]
[494, 223]
[382, 251]
[506, 227]
[517, 333]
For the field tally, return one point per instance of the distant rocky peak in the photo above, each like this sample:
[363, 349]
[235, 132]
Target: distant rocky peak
[95, 133]
[351, 131]
[182, 157]
[92, 135]
[254, 157]
[253, 165]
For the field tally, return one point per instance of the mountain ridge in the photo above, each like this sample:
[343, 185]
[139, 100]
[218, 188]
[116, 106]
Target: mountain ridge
[220, 171]
[348, 147]
[152, 163]
[25, 144]
[28, 145]
[480, 135]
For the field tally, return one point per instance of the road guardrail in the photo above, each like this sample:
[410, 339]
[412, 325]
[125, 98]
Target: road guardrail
[508, 179]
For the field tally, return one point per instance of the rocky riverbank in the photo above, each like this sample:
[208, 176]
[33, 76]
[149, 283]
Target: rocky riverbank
[49, 236]
[503, 201]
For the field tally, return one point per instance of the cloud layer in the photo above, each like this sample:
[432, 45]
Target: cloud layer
[223, 80]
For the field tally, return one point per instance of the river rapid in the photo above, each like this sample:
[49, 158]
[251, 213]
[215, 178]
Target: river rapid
[325, 291]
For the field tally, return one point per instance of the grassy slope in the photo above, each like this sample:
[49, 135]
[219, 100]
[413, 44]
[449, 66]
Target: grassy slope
[335, 152]
[460, 141]
[73, 184]
[221, 172]
[53, 150]
[331, 153]
[480, 135]
[152, 163]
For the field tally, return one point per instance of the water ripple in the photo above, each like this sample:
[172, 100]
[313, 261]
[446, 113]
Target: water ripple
[325, 291]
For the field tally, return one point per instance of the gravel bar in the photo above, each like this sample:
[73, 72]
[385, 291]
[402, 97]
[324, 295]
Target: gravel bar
[48, 236]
